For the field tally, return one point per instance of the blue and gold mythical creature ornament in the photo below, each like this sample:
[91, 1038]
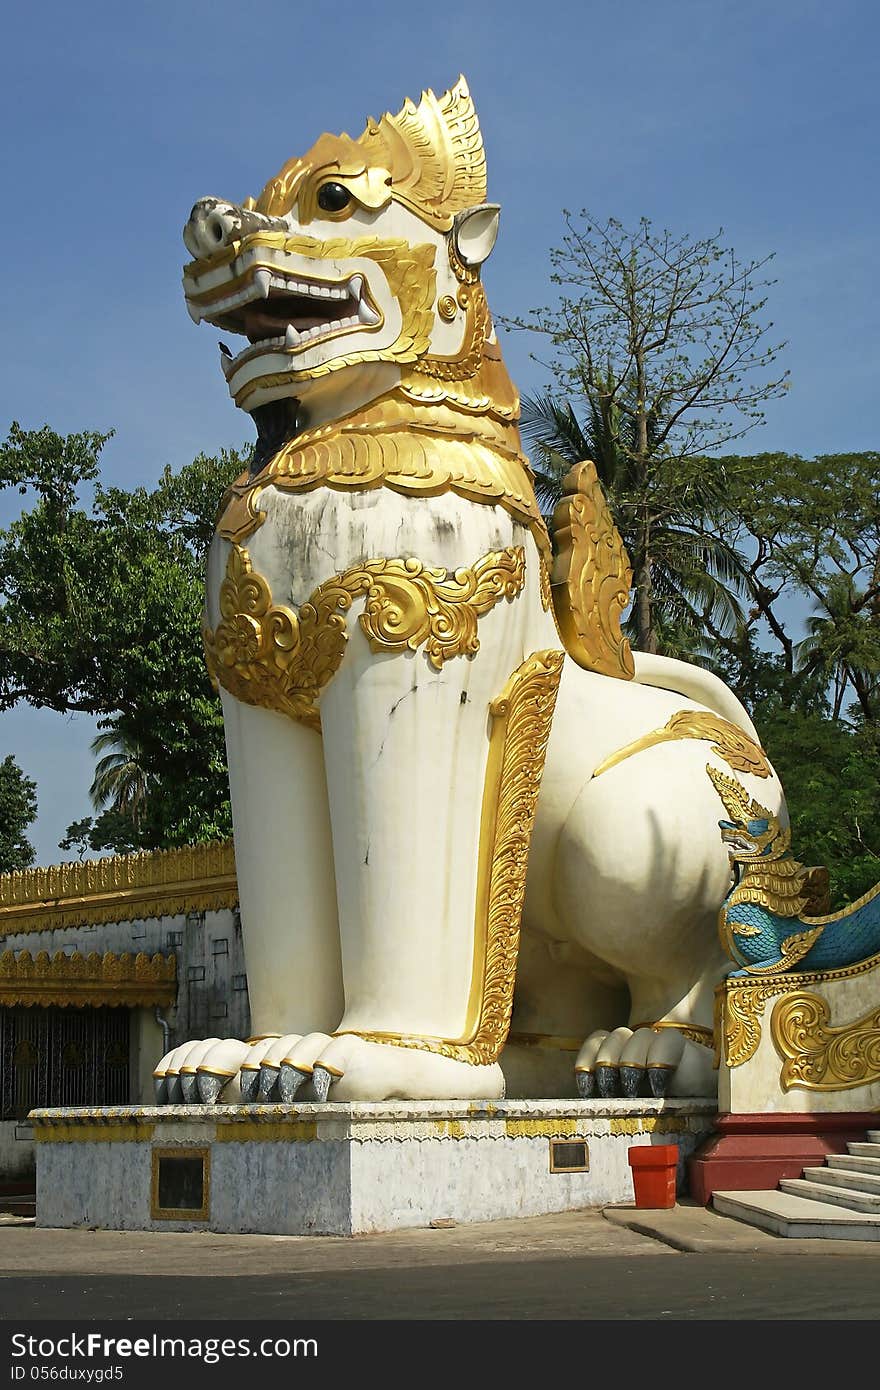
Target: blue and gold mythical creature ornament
[776, 914]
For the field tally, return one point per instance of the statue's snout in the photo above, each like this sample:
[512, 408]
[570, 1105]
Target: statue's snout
[214, 224]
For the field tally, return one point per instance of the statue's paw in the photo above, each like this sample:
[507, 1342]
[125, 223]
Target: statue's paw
[175, 1079]
[647, 1062]
[209, 1070]
[351, 1068]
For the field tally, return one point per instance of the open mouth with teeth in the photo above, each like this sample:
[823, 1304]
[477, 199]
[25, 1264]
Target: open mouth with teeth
[288, 313]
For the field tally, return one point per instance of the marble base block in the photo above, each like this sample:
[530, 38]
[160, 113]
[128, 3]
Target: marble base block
[345, 1169]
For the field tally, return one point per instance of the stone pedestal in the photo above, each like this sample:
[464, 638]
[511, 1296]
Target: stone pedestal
[345, 1169]
[750, 1153]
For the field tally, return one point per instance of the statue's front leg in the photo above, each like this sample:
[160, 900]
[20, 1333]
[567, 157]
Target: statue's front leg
[413, 740]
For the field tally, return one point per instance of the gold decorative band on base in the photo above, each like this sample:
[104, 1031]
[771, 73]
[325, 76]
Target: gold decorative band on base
[265, 654]
[694, 1032]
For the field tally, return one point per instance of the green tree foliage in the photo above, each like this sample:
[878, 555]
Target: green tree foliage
[812, 529]
[103, 593]
[657, 342]
[830, 772]
[694, 570]
[18, 809]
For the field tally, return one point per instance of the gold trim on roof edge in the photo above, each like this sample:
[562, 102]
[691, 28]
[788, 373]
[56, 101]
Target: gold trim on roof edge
[740, 1004]
[120, 888]
[94, 980]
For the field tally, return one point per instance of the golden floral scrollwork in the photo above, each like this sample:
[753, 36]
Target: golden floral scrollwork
[266, 654]
[521, 717]
[740, 1004]
[817, 1057]
[729, 742]
[742, 1011]
[119, 888]
[95, 980]
[591, 577]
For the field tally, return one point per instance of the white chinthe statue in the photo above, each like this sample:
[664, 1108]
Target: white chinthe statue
[404, 661]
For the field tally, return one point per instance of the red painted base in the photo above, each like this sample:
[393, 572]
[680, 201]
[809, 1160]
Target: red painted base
[751, 1152]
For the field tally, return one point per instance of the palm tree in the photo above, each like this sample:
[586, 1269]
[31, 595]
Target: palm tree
[121, 782]
[687, 577]
[841, 642]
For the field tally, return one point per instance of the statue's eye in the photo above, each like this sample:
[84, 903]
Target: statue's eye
[333, 197]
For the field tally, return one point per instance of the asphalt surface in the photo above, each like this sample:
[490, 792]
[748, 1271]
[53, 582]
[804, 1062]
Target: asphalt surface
[615, 1264]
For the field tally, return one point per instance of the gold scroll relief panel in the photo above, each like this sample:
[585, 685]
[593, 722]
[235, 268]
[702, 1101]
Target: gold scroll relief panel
[266, 654]
[819, 1057]
[740, 1003]
[520, 720]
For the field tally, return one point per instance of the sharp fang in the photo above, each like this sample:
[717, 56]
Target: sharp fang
[355, 285]
[193, 312]
[263, 282]
[291, 337]
[366, 314]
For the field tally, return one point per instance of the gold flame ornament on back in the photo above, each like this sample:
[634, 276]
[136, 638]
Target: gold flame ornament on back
[591, 577]
[267, 654]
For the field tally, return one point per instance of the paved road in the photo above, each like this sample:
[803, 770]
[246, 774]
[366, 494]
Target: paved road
[569, 1287]
[621, 1265]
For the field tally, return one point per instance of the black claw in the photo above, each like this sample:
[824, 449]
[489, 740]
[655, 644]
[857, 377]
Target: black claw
[660, 1079]
[632, 1080]
[586, 1084]
[608, 1081]
[290, 1079]
[268, 1081]
[321, 1081]
[249, 1081]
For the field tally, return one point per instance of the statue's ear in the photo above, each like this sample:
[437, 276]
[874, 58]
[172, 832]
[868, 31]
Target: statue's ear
[474, 232]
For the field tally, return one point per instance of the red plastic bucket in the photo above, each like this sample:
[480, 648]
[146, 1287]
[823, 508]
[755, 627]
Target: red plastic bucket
[654, 1167]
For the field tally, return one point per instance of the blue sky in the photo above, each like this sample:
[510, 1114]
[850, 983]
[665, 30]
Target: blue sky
[760, 118]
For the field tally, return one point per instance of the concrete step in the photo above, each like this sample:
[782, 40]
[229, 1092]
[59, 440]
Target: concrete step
[787, 1214]
[848, 1197]
[854, 1163]
[833, 1176]
[874, 1136]
[864, 1150]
